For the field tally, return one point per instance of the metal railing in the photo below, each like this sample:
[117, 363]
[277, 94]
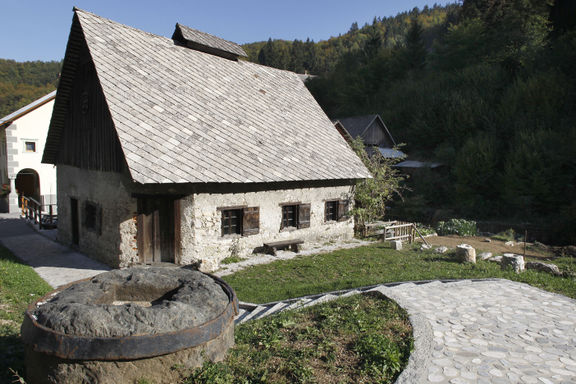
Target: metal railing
[40, 214]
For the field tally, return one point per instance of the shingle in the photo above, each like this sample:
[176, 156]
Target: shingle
[166, 99]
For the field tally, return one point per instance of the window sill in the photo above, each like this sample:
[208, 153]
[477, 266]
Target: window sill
[231, 237]
[288, 229]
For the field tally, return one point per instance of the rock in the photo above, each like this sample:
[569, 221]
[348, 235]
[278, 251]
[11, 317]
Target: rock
[570, 250]
[397, 245]
[543, 267]
[425, 247]
[496, 259]
[509, 243]
[485, 255]
[466, 253]
[441, 249]
[516, 262]
[487, 240]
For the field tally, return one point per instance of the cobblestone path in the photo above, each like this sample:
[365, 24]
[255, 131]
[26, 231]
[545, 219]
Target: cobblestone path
[494, 331]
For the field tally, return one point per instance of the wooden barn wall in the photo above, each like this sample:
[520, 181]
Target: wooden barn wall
[89, 139]
[375, 135]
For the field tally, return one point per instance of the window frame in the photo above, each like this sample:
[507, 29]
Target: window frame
[284, 221]
[332, 213]
[247, 221]
[31, 142]
[226, 222]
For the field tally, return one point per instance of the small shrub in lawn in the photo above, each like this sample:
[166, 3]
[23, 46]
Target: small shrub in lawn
[458, 227]
[424, 229]
[507, 235]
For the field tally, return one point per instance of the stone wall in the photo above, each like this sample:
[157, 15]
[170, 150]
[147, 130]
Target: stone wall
[202, 240]
[113, 242]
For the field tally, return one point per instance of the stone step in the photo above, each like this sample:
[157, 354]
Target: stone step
[351, 293]
[271, 310]
[321, 299]
[297, 304]
[250, 315]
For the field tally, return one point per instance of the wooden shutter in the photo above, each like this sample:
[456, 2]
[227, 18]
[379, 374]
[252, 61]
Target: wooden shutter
[304, 216]
[342, 210]
[251, 221]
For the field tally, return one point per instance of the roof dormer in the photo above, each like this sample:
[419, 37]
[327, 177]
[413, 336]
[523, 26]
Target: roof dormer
[207, 43]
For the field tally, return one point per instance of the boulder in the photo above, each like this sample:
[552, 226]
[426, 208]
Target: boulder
[466, 253]
[425, 247]
[543, 267]
[509, 243]
[397, 245]
[485, 255]
[516, 262]
[441, 249]
[570, 250]
[496, 259]
[487, 240]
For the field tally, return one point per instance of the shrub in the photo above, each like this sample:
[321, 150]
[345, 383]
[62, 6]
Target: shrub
[458, 227]
[507, 235]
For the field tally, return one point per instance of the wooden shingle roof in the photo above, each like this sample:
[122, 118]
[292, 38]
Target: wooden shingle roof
[184, 116]
[206, 42]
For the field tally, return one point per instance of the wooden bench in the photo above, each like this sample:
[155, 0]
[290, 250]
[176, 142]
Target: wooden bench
[272, 247]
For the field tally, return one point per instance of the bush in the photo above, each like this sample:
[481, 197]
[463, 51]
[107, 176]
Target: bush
[507, 235]
[458, 227]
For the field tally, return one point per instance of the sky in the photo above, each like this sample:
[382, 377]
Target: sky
[38, 29]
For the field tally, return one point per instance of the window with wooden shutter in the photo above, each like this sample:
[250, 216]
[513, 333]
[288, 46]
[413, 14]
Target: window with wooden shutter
[304, 216]
[331, 211]
[343, 210]
[289, 216]
[232, 221]
[251, 221]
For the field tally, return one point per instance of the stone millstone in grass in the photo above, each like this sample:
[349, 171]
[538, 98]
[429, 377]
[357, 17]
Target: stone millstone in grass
[134, 301]
[466, 253]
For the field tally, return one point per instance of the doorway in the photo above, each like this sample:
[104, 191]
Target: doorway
[158, 230]
[28, 185]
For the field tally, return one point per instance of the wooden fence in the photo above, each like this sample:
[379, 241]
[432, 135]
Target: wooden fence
[395, 230]
[43, 215]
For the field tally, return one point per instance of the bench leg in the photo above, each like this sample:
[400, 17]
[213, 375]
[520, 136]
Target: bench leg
[295, 248]
[271, 251]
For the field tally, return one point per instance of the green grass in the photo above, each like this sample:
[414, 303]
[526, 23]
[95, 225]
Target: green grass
[19, 286]
[364, 339]
[375, 264]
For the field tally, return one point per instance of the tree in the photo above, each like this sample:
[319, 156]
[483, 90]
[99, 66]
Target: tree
[372, 194]
[415, 49]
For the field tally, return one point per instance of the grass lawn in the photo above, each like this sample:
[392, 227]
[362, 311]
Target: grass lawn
[19, 285]
[375, 264]
[363, 339]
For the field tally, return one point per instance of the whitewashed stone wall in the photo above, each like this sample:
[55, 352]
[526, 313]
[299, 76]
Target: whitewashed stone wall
[203, 242]
[117, 243]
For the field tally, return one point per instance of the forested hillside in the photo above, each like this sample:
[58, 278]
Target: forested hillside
[22, 83]
[486, 87]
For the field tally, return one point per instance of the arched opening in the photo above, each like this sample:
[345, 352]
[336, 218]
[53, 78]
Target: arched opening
[28, 185]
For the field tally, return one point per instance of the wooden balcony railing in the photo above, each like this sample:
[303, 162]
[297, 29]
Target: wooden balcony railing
[43, 215]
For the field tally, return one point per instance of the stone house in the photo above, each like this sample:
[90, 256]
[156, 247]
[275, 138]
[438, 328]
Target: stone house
[22, 138]
[175, 150]
[373, 131]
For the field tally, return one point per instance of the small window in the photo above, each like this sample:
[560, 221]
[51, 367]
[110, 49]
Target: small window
[331, 209]
[92, 216]
[231, 222]
[30, 146]
[243, 221]
[295, 216]
[336, 210]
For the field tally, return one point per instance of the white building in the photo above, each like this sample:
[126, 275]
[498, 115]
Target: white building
[22, 139]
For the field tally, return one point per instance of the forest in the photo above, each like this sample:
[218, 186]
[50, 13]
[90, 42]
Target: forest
[485, 87]
[23, 82]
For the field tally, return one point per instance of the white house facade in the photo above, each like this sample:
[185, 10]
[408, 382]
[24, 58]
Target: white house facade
[22, 140]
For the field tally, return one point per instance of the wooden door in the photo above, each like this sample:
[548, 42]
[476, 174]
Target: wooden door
[157, 230]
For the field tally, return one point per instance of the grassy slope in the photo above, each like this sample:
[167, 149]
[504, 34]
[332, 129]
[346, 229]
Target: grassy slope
[374, 264]
[19, 285]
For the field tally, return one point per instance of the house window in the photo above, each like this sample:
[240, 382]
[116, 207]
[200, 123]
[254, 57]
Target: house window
[30, 146]
[295, 216]
[336, 210]
[231, 222]
[243, 221]
[331, 210]
[92, 217]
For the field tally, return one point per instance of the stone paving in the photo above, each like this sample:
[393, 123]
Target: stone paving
[495, 331]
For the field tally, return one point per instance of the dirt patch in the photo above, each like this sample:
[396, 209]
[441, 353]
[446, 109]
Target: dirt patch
[497, 247]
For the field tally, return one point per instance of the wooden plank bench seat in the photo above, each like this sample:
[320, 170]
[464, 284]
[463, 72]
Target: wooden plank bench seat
[293, 244]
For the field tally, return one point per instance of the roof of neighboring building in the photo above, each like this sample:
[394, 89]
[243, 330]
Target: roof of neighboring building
[417, 164]
[357, 125]
[184, 116]
[208, 40]
[391, 153]
[27, 109]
